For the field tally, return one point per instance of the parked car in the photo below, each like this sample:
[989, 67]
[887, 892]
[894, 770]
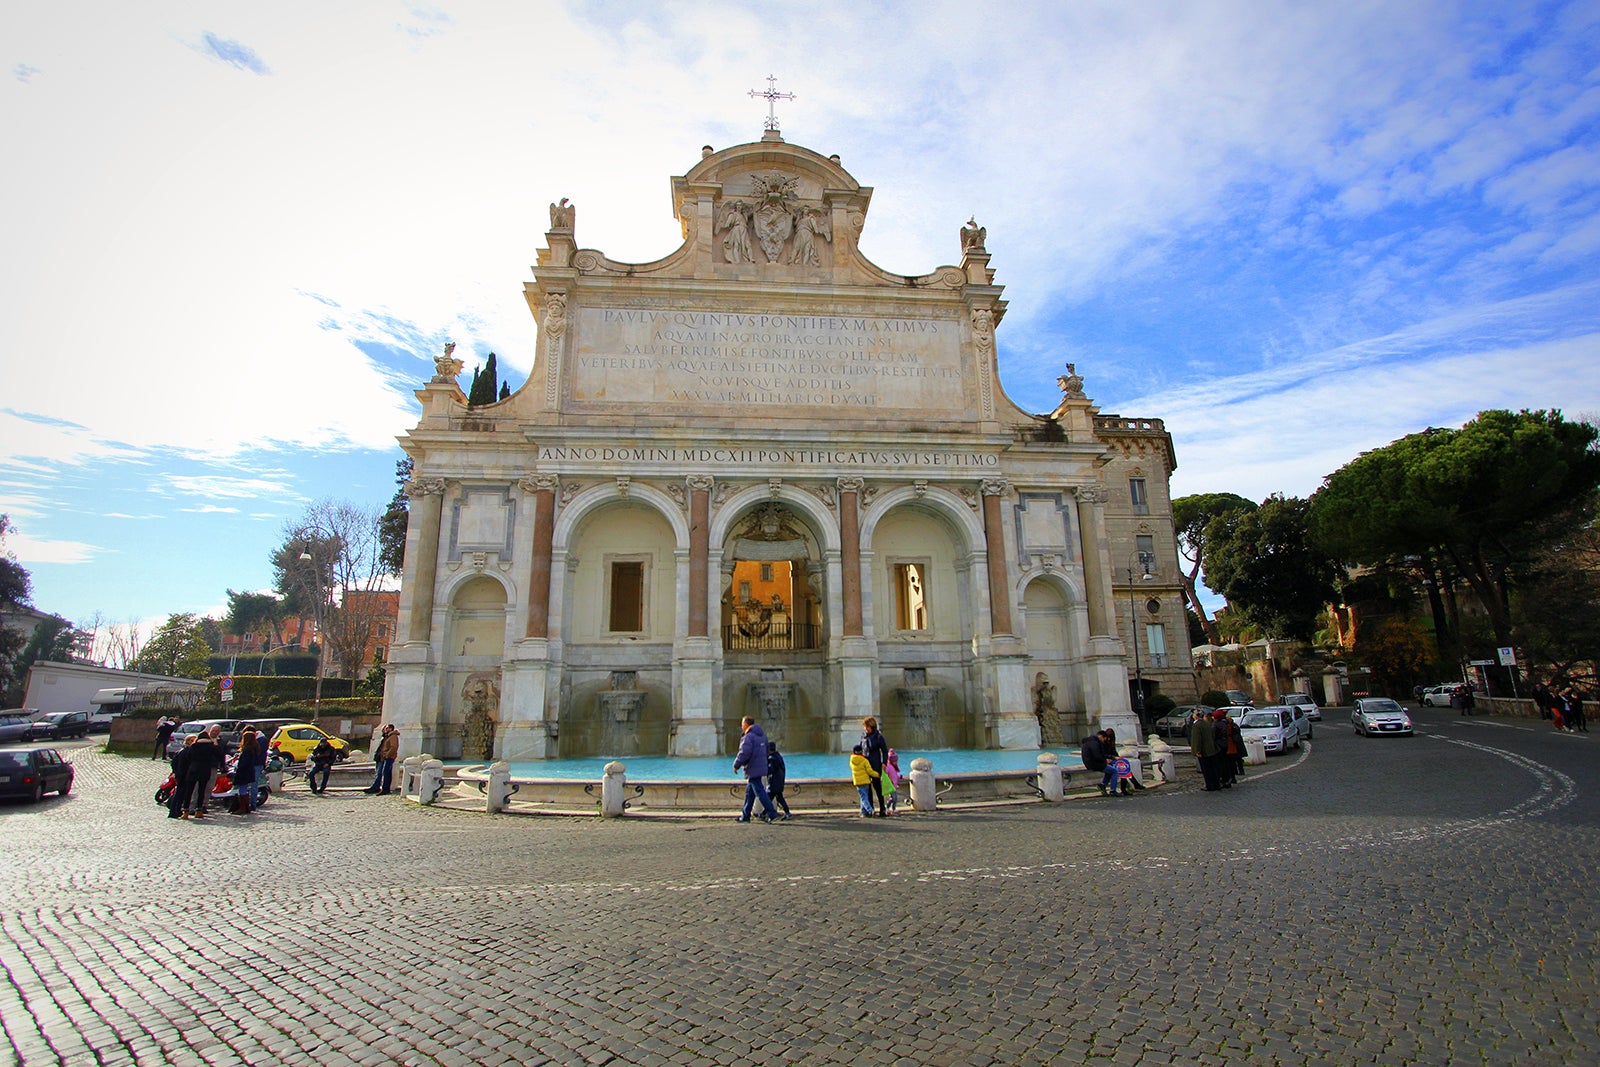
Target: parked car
[1306, 703]
[59, 724]
[229, 738]
[1175, 723]
[1439, 696]
[1380, 715]
[267, 728]
[1279, 727]
[15, 726]
[1239, 698]
[295, 742]
[33, 772]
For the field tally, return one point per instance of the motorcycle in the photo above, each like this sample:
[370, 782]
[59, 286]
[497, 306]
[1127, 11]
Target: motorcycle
[222, 789]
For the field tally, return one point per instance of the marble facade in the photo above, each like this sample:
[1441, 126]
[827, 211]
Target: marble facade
[762, 475]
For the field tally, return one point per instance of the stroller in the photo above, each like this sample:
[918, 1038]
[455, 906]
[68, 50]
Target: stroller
[221, 789]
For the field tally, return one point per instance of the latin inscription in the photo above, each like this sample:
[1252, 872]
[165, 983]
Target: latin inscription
[714, 359]
[787, 457]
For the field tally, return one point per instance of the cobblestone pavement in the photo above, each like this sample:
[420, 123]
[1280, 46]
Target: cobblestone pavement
[1386, 901]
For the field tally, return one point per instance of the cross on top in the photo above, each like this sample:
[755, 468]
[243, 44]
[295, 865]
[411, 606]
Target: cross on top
[772, 96]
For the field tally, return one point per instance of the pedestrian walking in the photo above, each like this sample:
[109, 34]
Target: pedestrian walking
[164, 731]
[1576, 720]
[861, 776]
[777, 773]
[876, 749]
[752, 759]
[321, 762]
[896, 781]
[383, 755]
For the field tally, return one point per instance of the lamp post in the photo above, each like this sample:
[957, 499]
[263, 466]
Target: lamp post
[269, 650]
[316, 618]
[1133, 634]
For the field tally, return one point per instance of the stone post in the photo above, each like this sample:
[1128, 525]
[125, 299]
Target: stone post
[430, 781]
[1163, 762]
[924, 790]
[410, 769]
[613, 790]
[499, 788]
[1050, 777]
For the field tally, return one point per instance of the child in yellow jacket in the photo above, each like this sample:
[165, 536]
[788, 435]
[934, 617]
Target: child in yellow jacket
[861, 775]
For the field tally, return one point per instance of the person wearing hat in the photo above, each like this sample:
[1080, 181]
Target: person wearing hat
[383, 756]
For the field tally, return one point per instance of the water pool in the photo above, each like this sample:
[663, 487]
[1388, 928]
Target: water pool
[801, 765]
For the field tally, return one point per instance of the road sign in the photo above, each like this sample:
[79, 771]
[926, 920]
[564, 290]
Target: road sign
[1508, 657]
[226, 685]
[1481, 662]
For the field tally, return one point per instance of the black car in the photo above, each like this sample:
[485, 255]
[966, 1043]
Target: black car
[14, 726]
[33, 772]
[59, 724]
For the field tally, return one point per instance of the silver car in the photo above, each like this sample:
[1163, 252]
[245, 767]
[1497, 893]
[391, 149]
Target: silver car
[1306, 703]
[1380, 715]
[1279, 727]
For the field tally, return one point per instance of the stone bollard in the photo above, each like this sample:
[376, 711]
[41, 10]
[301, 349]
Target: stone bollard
[1162, 761]
[1129, 751]
[410, 768]
[1255, 751]
[499, 788]
[275, 779]
[613, 790]
[924, 790]
[1050, 777]
[430, 781]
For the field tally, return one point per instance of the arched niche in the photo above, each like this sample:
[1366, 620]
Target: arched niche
[1052, 630]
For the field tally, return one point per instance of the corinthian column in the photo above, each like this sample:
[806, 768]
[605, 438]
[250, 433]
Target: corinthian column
[543, 489]
[699, 552]
[995, 546]
[1096, 556]
[850, 554]
[427, 501]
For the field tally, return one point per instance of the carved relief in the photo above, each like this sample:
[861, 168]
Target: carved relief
[920, 487]
[869, 493]
[417, 488]
[774, 486]
[970, 495]
[735, 218]
[679, 495]
[555, 325]
[774, 218]
[983, 329]
[1071, 383]
[825, 494]
[701, 483]
[850, 485]
[1090, 494]
[811, 225]
[537, 483]
[994, 487]
[774, 215]
[623, 481]
[568, 491]
[723, 492]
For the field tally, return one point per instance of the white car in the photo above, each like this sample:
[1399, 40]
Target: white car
[1380, 715]
[1439, 696]
[1279, 727]
[1306, 703]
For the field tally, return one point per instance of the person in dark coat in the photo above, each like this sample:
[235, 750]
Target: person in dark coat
[752, 759]
[777, 772]
[1575, 717]
[876, 749]
[205, 760]
[1203, 743]
[244, 772]
[322, 760]
[164, 731]
[180, 771]
[1095, 758]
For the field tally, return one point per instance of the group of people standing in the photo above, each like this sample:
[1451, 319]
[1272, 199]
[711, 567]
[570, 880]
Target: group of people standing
[202, 759]
[874, 770]
[1218, 746]
[1563, 707]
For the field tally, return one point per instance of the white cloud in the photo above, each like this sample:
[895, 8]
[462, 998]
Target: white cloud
[43, 550]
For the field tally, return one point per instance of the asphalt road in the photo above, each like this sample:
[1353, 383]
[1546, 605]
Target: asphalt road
[1387, 901]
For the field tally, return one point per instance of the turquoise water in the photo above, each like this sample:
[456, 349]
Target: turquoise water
[803, 765]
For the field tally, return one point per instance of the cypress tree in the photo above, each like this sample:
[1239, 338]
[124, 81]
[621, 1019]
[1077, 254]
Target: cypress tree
[484, 384]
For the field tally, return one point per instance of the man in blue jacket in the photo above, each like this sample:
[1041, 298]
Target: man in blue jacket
[752, 759]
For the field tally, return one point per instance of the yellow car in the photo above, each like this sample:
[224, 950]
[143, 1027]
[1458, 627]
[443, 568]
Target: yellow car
[295, 742]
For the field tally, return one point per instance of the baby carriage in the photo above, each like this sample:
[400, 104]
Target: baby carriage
[222, 789]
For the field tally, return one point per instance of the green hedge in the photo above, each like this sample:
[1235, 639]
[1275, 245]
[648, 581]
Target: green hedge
[288, 665]
[266, 690]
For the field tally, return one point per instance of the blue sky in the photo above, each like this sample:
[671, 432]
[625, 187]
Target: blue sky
[238, 233]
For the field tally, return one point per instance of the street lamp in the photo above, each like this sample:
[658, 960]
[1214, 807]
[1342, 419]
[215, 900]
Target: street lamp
[316, 617]
[269, 650]
[1133, 633]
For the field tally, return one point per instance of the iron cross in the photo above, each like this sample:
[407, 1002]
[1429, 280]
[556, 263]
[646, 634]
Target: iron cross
[773, 96]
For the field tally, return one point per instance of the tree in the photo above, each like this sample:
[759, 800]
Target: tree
[395, 519]
[251, 613]
[177, 649]
[1558, 609]
[1397, 650]
[15, 586]
[1190, 516]
[331, 564]
[1263, 562]
[1478, 503]
[485, 384]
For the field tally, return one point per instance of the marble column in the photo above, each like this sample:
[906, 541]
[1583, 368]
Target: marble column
[543, 487]
[1106, 671]
[696, 654]
[995, 545]
[1095, 552]
[850, 554]
[699, 553]
[427, 496]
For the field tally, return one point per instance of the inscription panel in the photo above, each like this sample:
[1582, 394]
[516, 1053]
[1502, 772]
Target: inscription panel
[855, 364]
